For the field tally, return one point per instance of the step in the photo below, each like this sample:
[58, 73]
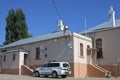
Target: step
[26, 70]
[29, 68]
[97, 71]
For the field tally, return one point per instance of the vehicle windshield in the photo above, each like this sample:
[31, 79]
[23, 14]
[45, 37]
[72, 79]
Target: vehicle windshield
[66, 65]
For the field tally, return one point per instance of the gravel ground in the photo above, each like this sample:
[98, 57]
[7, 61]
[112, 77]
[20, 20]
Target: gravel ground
[16, 77]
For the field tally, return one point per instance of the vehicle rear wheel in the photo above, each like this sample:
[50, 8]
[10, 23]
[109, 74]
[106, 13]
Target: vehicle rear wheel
[54, 74]
[37, 74]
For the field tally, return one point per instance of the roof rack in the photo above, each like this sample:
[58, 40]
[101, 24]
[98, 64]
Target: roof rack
[52, 61]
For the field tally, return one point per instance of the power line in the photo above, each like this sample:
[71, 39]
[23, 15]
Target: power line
[53, 1]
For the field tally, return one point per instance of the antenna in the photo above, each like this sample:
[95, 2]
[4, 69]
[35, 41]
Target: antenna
[85, 28]
[53, 1]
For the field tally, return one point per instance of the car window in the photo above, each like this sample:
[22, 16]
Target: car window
[50, 65]
[53, 65]
[65, 65]
[45, 65]
[56, 65]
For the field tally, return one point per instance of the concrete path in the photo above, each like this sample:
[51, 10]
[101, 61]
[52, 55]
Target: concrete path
[16, 77]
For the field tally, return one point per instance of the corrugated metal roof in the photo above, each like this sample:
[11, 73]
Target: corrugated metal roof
[37, 38]
[103, 26]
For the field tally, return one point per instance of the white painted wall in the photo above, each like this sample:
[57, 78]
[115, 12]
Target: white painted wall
[9, 63]
[111, 46]
[21, 58]
[85, 41]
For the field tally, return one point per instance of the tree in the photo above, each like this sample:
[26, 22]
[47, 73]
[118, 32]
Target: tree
[10, 25]
[16, 27]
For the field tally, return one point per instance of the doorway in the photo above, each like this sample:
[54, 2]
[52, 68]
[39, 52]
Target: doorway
[25, 59]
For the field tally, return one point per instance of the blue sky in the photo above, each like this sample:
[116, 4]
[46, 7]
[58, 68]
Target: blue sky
[42, 18]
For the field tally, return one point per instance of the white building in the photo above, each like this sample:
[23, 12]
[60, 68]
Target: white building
[97, 56]
[106, 38]
[22, 56]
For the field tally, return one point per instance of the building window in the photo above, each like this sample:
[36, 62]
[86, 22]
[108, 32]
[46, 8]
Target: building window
[81, 50]
[14, 56]
[88, 50]
[99, 47]
[37, 53]
[4, 58]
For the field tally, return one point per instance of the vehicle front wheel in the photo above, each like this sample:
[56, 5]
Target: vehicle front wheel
[37, 74]
[54, 74]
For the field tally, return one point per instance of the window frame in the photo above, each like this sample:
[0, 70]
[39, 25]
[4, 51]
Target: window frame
[81, 50]
[4, 58]
[88, 51]
[99, 47]
[37, 54]
[14, 57]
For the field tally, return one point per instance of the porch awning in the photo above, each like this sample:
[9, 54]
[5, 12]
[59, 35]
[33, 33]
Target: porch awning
[93, 49]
